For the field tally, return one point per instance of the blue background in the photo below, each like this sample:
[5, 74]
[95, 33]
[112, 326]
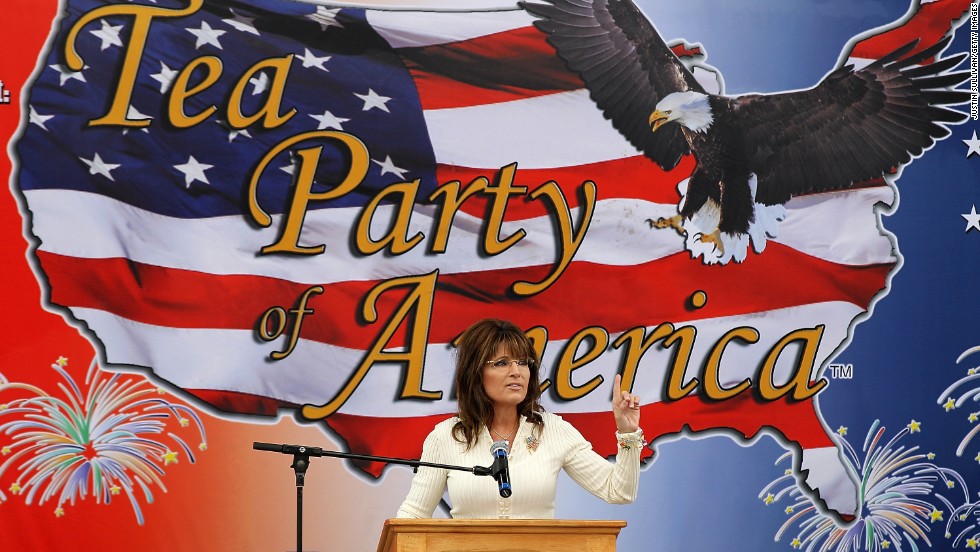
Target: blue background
[702, 493]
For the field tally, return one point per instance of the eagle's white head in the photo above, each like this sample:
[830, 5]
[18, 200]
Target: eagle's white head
[690, 109]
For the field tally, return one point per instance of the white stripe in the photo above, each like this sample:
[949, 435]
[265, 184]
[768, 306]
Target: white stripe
[407, 29]
[232, 360]
[838, 227]
[554, 130]
[434, 5]
[619, 235]
[826, 473]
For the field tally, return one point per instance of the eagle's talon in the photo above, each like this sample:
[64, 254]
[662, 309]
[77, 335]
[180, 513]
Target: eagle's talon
[714, 238]
[670, 222]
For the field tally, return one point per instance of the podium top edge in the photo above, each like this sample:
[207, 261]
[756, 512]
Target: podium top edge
[500, 523]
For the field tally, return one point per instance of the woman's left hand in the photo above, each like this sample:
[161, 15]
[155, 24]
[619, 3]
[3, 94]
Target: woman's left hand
[626, 407]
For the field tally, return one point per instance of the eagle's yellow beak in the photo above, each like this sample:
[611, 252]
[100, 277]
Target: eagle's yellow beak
[657, 118]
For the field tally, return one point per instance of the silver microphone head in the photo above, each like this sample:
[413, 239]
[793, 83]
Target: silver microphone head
[499, 445]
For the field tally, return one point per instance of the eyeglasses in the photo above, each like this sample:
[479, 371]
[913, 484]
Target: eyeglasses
[504, 362]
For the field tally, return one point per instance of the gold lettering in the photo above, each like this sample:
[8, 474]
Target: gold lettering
[596, 340]
[451, 202]
[569, 240]
[179, 92]
[302, 191]
[396, 239]
[139, 31]
[799, 383]
[418, 301]
[500, 193]
[539, 338]
[269, 112]
[712, 385]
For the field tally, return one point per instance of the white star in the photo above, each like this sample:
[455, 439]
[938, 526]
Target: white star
[326, 18]
[97, 166]
[67, 74]
[165, 77]
[193, 170]
[36, 118]
[973, 144]
[972, 219]
[241, 23]
[259, 83]
[134, 115]
[233, 133]
[311, 60]
[387, 166]
[109, 35]
[329, 120]
[372, 100]
[206, 35]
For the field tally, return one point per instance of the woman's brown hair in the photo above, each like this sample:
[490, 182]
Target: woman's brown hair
[474, 348]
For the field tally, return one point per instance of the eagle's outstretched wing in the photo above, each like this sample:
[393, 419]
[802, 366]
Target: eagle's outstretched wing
[853, 126]
[625, 64]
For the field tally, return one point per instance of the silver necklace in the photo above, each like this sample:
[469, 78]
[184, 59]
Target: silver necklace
[502, 437]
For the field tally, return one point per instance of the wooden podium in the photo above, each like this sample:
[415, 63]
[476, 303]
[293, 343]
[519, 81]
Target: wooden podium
[499, 535]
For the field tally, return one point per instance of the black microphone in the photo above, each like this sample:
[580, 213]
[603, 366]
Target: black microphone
[500, 472]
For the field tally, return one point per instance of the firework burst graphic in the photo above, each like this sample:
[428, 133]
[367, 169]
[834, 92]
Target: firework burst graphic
[104, 440]
[970, 390]
[900, 499]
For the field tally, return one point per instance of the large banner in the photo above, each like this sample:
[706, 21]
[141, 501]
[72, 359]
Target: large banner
[239, 221]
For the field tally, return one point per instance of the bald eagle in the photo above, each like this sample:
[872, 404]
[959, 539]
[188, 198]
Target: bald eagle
[753, 152]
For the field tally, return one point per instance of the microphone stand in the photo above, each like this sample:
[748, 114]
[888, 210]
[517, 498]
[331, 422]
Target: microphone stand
[301, 461]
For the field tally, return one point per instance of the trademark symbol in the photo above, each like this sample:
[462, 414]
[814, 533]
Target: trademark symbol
[841, 371]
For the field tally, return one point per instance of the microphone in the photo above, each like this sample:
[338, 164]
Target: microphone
[499, 468]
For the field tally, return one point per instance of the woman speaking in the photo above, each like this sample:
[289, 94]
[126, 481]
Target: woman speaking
[498, 396]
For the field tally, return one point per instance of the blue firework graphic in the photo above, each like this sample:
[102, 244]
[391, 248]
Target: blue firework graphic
[903, 496]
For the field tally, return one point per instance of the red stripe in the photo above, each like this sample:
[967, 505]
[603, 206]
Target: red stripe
[505, 66]
[929, 25]
[587, 294]
[632, 178]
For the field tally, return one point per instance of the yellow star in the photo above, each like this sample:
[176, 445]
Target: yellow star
[788, 472]
[115, 489]
[15, 488]
[789, 509]
[203, 446]
[971, 543]
[184, 422]
[160, 391]
[949, 404]
[770, 499]
[931, 456]
[796, 543]
[62, 361]
[842, 431]
[936, 515]
[978, 457]
[973, 417]
[886, 543]
[914, 426]
[169, 457]
[950, 484]
[5, 451]
[4, 406]
[59, 511]
[971, 372]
